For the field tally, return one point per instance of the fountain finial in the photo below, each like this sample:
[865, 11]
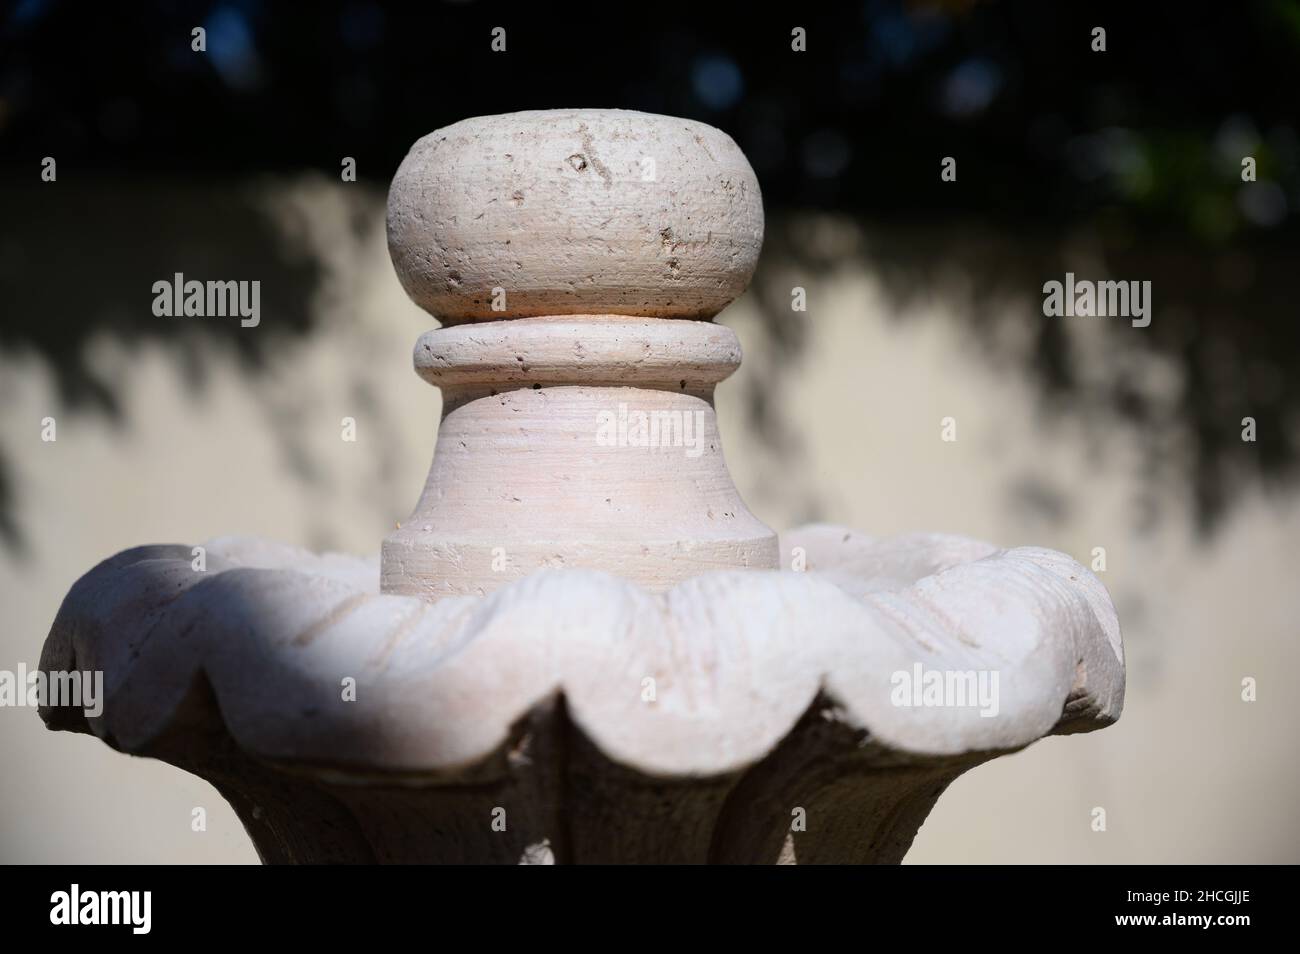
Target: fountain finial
[583, 252]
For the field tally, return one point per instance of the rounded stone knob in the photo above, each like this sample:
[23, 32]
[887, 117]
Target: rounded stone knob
[568, 212]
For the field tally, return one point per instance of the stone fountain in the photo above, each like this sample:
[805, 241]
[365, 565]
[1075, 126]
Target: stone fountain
[582, 646]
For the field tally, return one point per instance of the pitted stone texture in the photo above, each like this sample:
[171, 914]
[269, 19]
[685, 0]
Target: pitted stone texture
[572, 212]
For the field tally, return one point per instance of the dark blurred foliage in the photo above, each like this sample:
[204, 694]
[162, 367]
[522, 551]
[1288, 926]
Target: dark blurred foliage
[1138, 148]
[1047, 131]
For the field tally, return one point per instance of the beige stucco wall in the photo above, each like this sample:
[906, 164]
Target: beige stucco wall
[1190, 774]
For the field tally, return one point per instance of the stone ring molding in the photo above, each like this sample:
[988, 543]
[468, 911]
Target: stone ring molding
[582, 646]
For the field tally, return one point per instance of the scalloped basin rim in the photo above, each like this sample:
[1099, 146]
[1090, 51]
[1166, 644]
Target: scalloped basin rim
[704, 679]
